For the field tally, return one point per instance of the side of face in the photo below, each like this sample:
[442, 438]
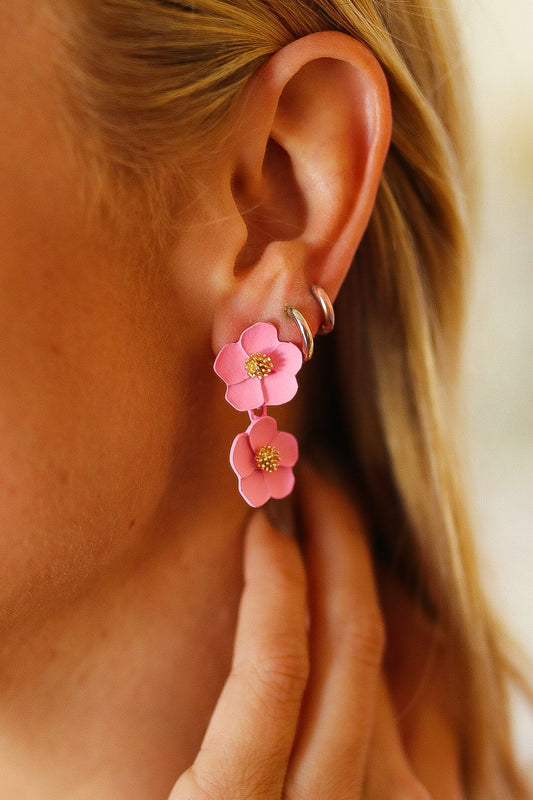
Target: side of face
[108, 398]
[88, 362]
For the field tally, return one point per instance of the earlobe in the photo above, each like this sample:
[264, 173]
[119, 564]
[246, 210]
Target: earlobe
[308, 149]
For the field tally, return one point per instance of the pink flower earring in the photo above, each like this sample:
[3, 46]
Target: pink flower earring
[260, 370]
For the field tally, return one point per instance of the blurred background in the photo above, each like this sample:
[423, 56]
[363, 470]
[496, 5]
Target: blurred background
[498, 38]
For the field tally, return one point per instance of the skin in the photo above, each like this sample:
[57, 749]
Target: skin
[124, 544]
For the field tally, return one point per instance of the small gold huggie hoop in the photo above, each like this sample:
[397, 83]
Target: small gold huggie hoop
[326, 306]
[305, 331]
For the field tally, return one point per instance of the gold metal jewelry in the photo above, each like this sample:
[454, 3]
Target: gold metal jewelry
[326, 306]
[305, 331]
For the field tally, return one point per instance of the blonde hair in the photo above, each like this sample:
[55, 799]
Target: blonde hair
[151, 74]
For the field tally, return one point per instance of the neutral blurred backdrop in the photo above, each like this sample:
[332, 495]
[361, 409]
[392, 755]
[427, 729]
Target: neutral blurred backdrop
[498, 38]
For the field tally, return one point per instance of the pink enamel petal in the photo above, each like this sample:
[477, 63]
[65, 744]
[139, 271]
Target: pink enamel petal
[259, 338]
[254, 489]
[280, 482]
[230, 364]
[245, 396]
[287, 358]
[261, 432]
[278, 388]
[287, 447]
[241, 456]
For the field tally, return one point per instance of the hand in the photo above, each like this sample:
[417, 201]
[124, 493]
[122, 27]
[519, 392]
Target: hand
[305, 717]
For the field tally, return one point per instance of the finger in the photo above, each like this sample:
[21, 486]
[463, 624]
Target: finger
[346, 649]
[422, 684]
[248, 742]
[388, 773]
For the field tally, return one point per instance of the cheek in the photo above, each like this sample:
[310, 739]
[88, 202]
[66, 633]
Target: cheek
[89, 413]
[89, 409]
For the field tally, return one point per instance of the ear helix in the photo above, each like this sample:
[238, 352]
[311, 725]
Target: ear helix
[260, 370]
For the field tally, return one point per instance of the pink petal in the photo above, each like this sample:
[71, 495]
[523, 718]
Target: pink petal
[245, 396]
[278, 388]
[254, 489]
[280, 482]
[230, 364]
[286, 358]
[259, 338]
[241, 456]
[287, 447]
[261, 432]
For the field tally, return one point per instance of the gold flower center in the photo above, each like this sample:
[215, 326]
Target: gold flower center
[258, 365]
[267, 458]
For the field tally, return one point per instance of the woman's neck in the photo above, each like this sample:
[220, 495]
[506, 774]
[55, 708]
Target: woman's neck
[109, 696]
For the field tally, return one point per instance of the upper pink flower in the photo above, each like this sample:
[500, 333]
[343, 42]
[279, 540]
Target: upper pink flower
[263, 458]
[259, 369]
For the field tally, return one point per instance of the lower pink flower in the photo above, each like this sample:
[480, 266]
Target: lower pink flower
[263, 458]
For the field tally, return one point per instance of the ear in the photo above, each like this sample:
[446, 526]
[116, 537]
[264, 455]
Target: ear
[307, 150]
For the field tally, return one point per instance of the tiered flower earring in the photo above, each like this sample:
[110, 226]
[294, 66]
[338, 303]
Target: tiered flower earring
[259, 370]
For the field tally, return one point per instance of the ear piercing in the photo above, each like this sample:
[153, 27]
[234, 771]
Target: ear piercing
[308, 344]
[260, 370]
[328, 314]
[326, 306]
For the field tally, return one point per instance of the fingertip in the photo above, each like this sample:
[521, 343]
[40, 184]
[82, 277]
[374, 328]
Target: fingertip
[258, 526]
[315, 500]
[275, 519]
[316, 483]
[313, 485]
[323, 499]
[260, 538]
[269, 552]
